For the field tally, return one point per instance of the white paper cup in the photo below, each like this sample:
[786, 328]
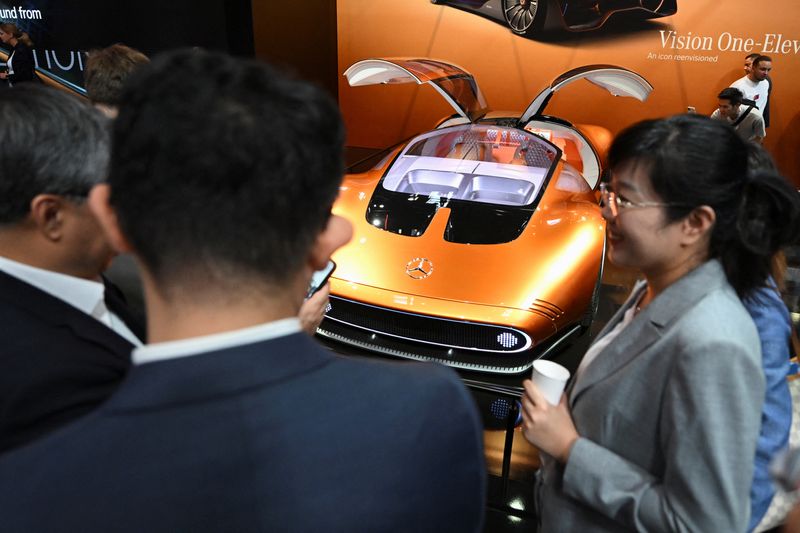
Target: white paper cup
[550, 379]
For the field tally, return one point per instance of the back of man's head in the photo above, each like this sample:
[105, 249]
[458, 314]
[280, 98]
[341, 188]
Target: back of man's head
[732, 94]
[106, 71]
[223, 170]
[50, 143]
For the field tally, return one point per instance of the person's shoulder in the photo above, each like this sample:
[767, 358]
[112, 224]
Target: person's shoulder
[397, 373]
[754, 115]
[719, 315]
[716, 337]
[413, 382]
[418, 394]
[20, 316]
[740, 82]
[765, 306]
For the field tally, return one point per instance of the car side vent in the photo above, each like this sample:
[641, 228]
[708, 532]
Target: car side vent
[547, 310]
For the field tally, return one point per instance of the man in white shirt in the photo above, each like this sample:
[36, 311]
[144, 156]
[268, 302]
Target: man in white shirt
[747, 121]
[754, 85]
[65, 335]
[748, 65]
[232, 419]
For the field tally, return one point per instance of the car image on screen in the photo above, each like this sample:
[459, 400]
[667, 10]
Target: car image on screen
[532, 17]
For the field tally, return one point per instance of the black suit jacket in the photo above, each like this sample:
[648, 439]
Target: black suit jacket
[56, 362]
[279, 435]
[23, 65]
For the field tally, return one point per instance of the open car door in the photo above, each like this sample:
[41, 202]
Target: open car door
[455, 84]
[616, 80]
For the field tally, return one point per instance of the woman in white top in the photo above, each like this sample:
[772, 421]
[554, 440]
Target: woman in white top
[20, 63]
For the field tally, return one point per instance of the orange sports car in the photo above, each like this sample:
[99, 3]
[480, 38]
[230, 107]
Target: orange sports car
[478, 244]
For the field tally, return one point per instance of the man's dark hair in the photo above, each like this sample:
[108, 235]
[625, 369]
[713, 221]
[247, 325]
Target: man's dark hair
[759, 59]
[106, 72]
[50, 143]
[752, 56]
[732, 94]
[223, 168]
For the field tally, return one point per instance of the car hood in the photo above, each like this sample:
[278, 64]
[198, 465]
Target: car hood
[561, 244]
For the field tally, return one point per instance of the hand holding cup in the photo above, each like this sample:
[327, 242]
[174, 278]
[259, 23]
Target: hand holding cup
[550, 378]
[547, 422]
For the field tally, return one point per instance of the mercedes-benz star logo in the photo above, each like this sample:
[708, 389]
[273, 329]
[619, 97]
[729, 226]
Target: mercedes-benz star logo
[419, 268]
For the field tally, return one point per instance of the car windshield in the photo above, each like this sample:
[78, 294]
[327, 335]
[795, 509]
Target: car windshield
[475, 163]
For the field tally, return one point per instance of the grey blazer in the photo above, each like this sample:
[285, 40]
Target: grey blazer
[669, 415]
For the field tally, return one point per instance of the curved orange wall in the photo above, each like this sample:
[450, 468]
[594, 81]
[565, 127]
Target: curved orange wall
[511, 69]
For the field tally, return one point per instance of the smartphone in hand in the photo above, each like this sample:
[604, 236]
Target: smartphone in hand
[320, 278]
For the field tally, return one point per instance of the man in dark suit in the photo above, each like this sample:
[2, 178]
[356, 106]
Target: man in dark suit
[65, 340]
[231, 418]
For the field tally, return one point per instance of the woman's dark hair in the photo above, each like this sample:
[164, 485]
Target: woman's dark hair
[694, 161]
[18, 34]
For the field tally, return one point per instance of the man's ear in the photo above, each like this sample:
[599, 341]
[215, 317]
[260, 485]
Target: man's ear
[698, 224]
[107, 217]
[336, 234]
[47, 212]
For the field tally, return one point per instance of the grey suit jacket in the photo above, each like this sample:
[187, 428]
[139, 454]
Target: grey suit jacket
[668, 414]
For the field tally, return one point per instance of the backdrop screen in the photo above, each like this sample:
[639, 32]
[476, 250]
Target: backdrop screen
[63, 30]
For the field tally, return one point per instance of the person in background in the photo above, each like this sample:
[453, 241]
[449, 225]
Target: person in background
[771, 317]
[748, 65]
[232, 419]
[748, 62]
[105, 74]
[754, 85]
[659, 426]
[747, 122]
[19, 65]
[67, 334]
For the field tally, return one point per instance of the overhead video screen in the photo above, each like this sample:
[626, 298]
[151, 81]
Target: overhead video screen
[64, 30]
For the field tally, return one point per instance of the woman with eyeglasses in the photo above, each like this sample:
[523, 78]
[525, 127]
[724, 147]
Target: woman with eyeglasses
[657, 430]
[20, 63]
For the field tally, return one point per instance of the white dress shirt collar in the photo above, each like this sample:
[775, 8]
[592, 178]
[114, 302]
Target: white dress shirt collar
[81, 293]
[85, 295]
[162, 351]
